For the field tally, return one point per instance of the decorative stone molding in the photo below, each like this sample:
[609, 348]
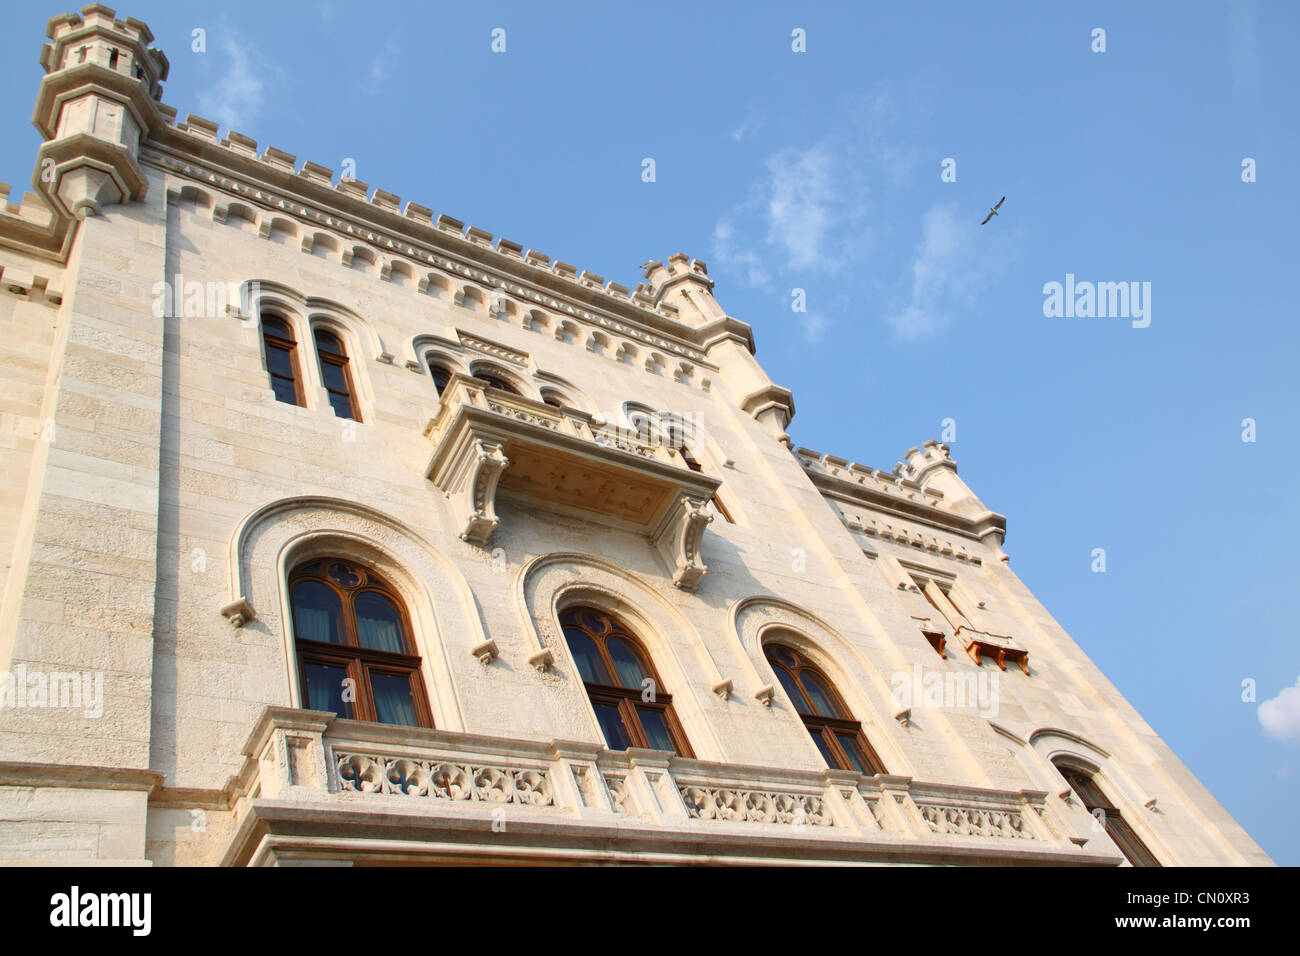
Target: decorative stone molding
[476, 491]
[974, 821]
[755, 806]
[417, 787]
[772, 407]
[546, 584]
[239, 612]
[754, 617]
[541, 660]
[442, 780]
[503, 352]
[678, 540]
[272, 538]
[486, 652]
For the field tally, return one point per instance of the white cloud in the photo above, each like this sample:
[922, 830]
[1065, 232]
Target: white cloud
[939, 274]
[1280, 715]
[235, 99]
[799, 192]
[840, 208]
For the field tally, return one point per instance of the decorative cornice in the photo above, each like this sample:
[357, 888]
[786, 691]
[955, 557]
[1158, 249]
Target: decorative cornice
[190, 150]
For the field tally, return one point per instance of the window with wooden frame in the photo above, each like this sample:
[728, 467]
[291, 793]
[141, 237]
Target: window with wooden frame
[632, 706]
[356, 651]
[336, 375]
[837, 735]
[282, 360]
[1084, 784]
[693, 464]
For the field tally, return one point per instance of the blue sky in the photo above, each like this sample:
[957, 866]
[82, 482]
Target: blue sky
[821, 171]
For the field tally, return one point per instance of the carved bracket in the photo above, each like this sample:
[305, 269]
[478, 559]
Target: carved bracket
[677, 538]
[485, 652]
[239, 612]
[470, 480]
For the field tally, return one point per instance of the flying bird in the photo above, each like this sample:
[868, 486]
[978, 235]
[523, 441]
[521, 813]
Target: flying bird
[994, 211]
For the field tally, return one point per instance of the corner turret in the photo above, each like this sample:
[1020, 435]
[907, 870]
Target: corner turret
[100, 96]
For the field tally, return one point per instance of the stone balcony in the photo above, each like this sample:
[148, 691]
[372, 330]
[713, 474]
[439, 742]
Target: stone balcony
[318, 789]
[488, 442]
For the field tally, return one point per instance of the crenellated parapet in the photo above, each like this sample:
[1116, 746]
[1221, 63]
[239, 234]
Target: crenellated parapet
[924, 489]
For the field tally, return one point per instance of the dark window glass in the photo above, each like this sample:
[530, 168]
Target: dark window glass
[792, 689]
[837, 735]
[341, 404]
[1117, 828]
[440, 378]
[281, 363]
[317, 613]
[611, 725]
[849, 744]
[394, 703]
[324, 688]
[379, 623]
[349, 623]
[614, 669]
[278, 361]
[334, 377]
[325, 342]
[656, 729]
[626, 664]
[284, 390]
[587, 656]
[819, 695]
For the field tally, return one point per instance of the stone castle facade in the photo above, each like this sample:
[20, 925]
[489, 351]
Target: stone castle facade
[338, 532]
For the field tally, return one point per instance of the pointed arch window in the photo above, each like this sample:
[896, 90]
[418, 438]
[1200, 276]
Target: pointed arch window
[633, 707]
[356, 652]
[282, 360]
[1084, 784]
[837, 735]
[336, 375]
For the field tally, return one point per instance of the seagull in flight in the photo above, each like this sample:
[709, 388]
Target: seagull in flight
[994, 211]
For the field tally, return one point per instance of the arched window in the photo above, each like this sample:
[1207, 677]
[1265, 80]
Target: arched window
[494, 380]
[351, 633]
[282, 360]
[632, 705]
[441, 376]
[837, 735]
[554, 398]
[335, 374]
[1084, 783]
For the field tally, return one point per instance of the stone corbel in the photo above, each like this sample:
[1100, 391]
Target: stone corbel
[678, 540]
[542, 660]
[723, 688]
[764, 695]
[239, 612]
[477, 495]
[486, 652]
